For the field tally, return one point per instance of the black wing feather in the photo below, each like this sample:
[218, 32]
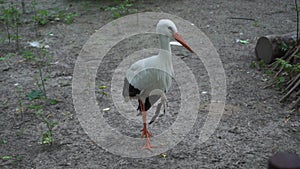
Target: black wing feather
[131, 91]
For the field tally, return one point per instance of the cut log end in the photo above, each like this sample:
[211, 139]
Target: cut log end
[270, 47]
[264, 50]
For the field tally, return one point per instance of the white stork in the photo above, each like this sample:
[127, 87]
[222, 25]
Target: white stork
[148, 79]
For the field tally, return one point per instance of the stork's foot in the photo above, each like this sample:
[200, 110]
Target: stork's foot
[145, 133]
[148, 146]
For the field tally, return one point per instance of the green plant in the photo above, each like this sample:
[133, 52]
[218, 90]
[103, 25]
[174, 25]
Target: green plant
[296, 68]
[6, 20]
[268, 72]
[7, 56]
[11, 18]
[38, 17]
[280, 82]
[284, 47]
[121, 8]
[47, 137]
[67, 18]
[115, 12]
[3, 141]
[53, 102]
[252, 65]
[34, 94]
[16, 158]
[41, 17]
[2, 58]
[41, 59]
[288, 67]
[28, 55]
[261, 64]
[6, 157]
[13, 158]
[286, 70]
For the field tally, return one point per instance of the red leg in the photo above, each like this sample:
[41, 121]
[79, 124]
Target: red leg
[145, 132]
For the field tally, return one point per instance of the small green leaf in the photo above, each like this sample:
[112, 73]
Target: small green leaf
[43, 12]
[47, 140]
[3, 58]
[47, 137]
[4, 141]
[102, 87]
[53, 102]
[261, 63]
[7, 56]
[280, 81]
[43, 22]
[244, 42]
[28, 55]
[284, 47]
[34, 94]
[253, 64]
[6, 157]
[268, 72]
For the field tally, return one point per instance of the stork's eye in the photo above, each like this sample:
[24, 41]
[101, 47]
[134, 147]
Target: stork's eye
[170, 28]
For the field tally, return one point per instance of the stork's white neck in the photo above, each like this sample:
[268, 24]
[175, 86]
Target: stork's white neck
[165, 55]
[165, 43]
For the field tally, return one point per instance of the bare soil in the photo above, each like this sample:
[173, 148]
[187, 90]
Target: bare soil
[253, 127]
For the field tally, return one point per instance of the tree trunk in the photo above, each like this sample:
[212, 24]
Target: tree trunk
[270, 47]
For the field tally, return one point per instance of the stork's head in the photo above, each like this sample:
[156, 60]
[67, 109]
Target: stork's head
[168, 28]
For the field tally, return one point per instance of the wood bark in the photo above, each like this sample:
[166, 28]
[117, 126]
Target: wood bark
[270, 47]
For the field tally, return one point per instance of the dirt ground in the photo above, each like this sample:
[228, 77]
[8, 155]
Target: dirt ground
[253, 127]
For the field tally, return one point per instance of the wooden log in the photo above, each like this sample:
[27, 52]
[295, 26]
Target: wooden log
[284, 160]
[269, 47]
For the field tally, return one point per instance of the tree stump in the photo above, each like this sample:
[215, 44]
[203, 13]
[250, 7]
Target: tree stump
[284, 160]
[270, 47]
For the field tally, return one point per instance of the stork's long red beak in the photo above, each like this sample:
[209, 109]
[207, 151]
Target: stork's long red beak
[178, 37]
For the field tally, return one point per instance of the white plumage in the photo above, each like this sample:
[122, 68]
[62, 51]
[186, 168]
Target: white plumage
[153, 76]
[151, 73]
